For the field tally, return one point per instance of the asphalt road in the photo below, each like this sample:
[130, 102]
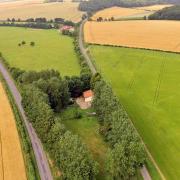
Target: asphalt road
[42, 163]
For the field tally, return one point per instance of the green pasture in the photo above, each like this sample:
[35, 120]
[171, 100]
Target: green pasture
[148, 85]
[51, 51]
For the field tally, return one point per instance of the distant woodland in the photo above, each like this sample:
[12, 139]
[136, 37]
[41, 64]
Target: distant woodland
[95, 5]
[170, 13]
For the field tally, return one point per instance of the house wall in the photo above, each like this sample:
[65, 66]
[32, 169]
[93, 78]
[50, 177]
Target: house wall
[89, 99]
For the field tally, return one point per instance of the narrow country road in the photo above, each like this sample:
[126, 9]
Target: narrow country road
[42, 162]
[83, 50]
[144, 171]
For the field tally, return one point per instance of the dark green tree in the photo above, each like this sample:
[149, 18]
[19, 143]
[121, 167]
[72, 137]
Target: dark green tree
[74, 159]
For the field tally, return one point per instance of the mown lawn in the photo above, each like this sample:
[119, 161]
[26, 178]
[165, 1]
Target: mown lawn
[148, 83]
[51, 50]
[87, 127]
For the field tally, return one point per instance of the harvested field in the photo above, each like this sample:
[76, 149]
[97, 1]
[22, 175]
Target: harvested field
[160, 35]
[155, 7]
[117, 12]
[36, 8]
[11, 158]
[120, 12]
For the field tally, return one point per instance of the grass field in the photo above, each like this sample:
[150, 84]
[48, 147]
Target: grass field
[88, 129]
[11, 158]
[51, 50]
[161, 35]
[147, 83]
[25, 9]
[120, 12]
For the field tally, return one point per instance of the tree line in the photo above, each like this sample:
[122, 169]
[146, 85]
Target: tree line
[169, 13]
[95, 5]
[29, 25]
[127, 152]
[43, 20]
[37, 23]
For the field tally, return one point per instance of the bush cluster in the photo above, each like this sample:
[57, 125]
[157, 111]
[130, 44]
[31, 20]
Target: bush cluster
[24, 42]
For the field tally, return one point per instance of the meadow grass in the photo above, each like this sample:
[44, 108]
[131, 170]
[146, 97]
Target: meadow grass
[51, 51]
[147, 84]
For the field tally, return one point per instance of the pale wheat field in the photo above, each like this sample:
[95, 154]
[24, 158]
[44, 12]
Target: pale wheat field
[11, 158]
[160, 35]
[36, 8]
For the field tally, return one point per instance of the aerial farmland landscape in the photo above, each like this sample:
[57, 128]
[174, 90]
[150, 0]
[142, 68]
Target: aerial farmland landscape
[89, 89]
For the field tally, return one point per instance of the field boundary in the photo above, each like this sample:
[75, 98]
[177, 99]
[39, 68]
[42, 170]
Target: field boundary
[81, 37]
[129, 47]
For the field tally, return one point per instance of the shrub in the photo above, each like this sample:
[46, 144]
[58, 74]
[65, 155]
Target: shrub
[23, 42]
[32, 43]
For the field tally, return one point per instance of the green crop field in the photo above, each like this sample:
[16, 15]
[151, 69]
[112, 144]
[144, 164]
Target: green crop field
[51, 50]
[148, 83]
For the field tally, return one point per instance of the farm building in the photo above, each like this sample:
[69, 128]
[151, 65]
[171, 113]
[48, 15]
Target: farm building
[67, 29]
[88, 96]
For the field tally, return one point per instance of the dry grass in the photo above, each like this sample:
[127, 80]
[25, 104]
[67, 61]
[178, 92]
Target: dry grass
[160, 35]
[119, 12]
[36, 8]
[11, 159]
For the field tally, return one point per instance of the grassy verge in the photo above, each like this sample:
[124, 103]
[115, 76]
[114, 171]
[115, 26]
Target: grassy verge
[28, 154]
